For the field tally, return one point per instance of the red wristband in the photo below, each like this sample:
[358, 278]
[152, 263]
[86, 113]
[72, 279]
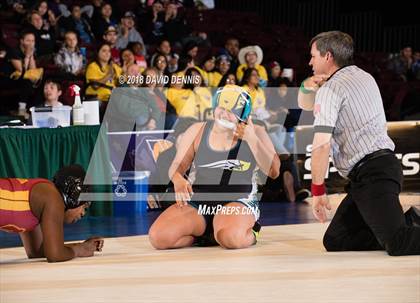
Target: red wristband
[318, 189]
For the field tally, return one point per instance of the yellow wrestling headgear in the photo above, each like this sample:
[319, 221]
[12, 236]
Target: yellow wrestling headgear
[235, 99]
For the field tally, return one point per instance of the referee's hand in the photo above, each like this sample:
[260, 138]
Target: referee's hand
[319, 206]
[315, 82]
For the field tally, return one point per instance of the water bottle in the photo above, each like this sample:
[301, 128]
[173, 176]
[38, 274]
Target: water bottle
[83, 52]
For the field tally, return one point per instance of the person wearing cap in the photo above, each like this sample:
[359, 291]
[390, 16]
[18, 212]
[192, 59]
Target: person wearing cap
[220, 207]
[36, 209]
[110, 36]
[222, 68]
[251, 57]
[128, 33]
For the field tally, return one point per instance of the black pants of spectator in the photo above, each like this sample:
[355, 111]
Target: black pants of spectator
[22, 91]
[371, 217]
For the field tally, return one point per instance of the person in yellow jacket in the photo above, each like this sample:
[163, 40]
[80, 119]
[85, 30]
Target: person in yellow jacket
[193, 98]
[250, 82]
[207, 69]
[102, 75]
[222, 68]
[251, 57]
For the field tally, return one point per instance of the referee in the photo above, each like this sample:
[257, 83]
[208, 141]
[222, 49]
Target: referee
[350, 121]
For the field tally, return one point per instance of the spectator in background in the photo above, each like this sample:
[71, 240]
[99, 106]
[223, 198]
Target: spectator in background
[222, 69]
[206, 69]
[102, 75]
[20, 62]
[228, 78]
[193, 99]
[153, 22]
[274, 72]
[19, 9]
[175, 26]
[401, 65]
[77, 23]
[281, 104]
[44, 39]
[137, 49]
[23, 57]
[127, 58]
[204, 4]
[69, 58]
[184, 63]
[158, 100]
[104, 21]
[164, 48]
[62, 10]
[167, 111]
[250, 82]
[133, 70]
[231, 50]
[199, 37]
[3, 50]
[48, 16]
[110, 37]
[138, 104]
[97, 8]
[59, 9]
[415, 67]
[128, 33]
[191, 49]
[251, 57]
[52, 93]
[160, 64]
[286, 185]
[208, 63]
[284, 110]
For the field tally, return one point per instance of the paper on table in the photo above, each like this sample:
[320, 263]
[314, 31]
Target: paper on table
[91, 109]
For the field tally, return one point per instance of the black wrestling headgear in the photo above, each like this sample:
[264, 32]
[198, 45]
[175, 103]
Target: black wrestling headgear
[69, 182]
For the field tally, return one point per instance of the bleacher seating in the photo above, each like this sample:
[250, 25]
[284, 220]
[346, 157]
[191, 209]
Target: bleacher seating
[283, 43]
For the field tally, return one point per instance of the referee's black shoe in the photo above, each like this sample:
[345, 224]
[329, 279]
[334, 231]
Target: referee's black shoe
[412, 216]
[302, 194]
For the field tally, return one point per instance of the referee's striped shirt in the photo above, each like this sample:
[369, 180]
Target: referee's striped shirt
[349, 106]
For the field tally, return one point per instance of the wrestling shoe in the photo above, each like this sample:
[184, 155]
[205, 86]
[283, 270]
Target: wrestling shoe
[256, 230]
[412, 216]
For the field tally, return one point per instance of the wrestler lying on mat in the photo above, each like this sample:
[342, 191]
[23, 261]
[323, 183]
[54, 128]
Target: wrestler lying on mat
[37, 209]
[220, 207]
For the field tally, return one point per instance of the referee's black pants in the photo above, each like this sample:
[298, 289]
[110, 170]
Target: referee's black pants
[371, 217]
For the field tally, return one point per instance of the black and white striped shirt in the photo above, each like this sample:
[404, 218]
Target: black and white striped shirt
[349, 106]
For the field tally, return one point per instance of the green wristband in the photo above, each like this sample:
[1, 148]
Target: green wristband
[303, 89]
